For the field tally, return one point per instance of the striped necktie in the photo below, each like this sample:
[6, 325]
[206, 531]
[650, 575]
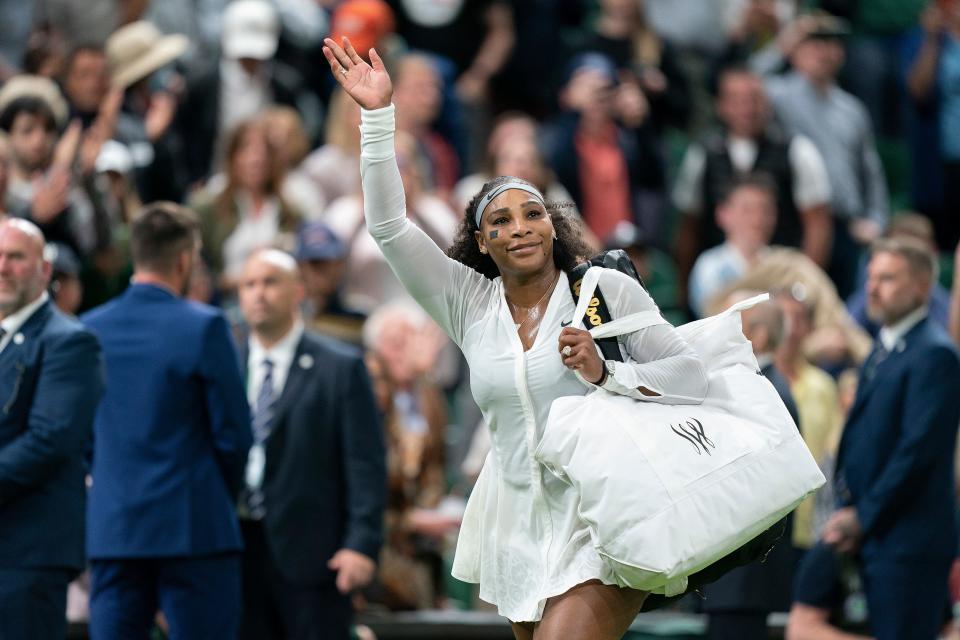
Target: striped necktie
[263, 410]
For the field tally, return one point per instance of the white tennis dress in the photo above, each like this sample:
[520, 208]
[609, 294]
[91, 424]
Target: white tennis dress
[521, 537]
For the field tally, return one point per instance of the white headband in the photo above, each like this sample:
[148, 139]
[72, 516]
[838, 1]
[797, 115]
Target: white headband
[513, 184]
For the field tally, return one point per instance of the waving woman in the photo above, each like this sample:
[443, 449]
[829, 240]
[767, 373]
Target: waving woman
[502, 295]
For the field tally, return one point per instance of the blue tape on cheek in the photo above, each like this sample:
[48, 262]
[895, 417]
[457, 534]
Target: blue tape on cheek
[494, 234]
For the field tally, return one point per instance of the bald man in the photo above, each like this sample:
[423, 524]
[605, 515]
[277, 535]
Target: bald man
[51, 378]
[312, 510]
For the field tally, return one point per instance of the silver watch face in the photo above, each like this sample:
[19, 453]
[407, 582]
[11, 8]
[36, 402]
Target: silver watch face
[611, 367]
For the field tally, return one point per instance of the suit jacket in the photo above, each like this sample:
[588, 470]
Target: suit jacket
[325, 477]
[50, 384]
[763, 585]
[895, 462]
[172, 432]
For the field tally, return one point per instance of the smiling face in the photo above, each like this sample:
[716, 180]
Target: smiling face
[517, 232]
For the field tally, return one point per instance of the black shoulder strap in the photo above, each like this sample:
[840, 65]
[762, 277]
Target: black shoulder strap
[597, 312]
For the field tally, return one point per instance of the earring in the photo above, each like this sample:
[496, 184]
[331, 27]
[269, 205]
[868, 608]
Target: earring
[483, 250]
[554, 235]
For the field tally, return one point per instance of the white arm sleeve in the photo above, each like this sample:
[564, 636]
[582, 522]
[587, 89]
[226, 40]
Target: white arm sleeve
[445, 288]
[657, 357]
[811, 184]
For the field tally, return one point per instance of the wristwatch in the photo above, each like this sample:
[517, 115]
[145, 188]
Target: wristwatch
[609, 367]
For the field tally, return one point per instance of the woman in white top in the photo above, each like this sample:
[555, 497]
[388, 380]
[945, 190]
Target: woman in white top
[503, 297]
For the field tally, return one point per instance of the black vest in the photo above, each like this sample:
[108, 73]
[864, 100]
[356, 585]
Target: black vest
[773, 159]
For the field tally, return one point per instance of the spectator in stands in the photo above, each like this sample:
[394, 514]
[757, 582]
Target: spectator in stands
[874, 71]
[108, 273]
[604, 150]
[322, 258]
[65, 289]
[895, 477]
[933, 82]
[818, 404]
[239, 86]
[746, 142]
[904, 225]
[369, 280]
[418, 95]
[334, 168]
[244, 211]
[752, 30]
[476, 37]
[43, 186]
[739, 602]
[312, 507]
[170, 443]
[46, 51]
[837, 341]
[747, 215]
[139, 56]
[52, 381]
[403, 348]
[290, 146]
[621, 32]
[512, 151]
[85, 82]
[808, 101]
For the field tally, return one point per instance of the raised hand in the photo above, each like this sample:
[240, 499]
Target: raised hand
[369, 86]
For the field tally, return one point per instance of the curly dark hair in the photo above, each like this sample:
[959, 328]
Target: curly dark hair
[569, 249]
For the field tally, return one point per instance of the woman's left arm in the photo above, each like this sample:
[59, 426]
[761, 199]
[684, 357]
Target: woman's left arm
[661, 362]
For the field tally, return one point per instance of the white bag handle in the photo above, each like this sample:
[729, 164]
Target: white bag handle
[626, 324]
[640, 320]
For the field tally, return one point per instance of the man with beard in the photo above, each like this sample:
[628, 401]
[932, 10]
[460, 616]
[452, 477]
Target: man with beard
[170, 443]
[51, 380]
[895, 482]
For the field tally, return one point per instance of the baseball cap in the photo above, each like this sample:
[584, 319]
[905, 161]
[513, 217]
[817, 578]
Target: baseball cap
[365, 22]
[250, 30]
[316, 241]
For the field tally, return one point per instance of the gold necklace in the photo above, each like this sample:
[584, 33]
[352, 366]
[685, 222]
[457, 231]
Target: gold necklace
[530, 310]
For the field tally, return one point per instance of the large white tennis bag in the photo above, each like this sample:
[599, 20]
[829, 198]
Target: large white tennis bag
[667, 490]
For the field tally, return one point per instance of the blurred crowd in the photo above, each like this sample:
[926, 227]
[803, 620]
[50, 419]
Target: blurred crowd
[728, 146]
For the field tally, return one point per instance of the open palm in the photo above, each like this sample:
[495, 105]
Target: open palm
[369, 86]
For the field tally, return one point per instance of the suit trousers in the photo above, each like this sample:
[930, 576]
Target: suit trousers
[736, 625]
[275, 608]
[199, 597]
[33, 603]
[906, 599]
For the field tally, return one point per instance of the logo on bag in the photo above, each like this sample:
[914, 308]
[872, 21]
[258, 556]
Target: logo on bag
[593, 309]
[693, 432]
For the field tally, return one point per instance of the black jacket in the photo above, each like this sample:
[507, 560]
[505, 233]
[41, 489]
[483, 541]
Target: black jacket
[325, 476]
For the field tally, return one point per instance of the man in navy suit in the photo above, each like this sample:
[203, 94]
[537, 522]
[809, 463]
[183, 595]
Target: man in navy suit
[51, 377]
[312, 508]
[895, 464]
[170, 443]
